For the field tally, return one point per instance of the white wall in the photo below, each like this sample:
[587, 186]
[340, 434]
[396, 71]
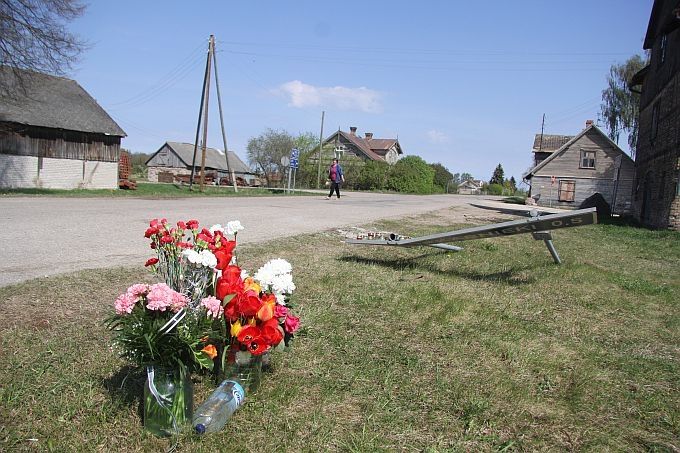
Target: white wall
[23, 172]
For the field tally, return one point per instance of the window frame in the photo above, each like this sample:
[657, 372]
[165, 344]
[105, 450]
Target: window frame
[584, 152]
[560, 190]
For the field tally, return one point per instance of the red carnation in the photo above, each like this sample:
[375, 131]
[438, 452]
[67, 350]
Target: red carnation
[151, 262]
[193, 224]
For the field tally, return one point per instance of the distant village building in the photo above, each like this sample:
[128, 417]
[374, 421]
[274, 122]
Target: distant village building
[349, 145]
[470, 187]
[657, 157]
[584, 165]
[172, 162]
[53, 134]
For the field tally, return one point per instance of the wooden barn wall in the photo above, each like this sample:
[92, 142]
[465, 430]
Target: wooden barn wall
[602, 179]
[165, 157]
[59, 144]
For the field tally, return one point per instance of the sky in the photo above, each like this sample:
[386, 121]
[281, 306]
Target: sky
[464, 84]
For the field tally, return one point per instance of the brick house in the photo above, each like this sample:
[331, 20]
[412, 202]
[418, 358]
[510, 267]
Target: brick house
[657, 161]
[53, 134]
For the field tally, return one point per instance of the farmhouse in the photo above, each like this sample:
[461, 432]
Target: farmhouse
[470, 187]
[348, 145]
[657, 158]
[583, 166]
[173, 162]
[53, 134]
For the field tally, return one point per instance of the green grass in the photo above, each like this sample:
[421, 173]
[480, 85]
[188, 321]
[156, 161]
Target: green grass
[151, 190]
[491, 349]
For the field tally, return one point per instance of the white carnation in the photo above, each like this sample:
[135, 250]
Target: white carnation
[216, 227]
[283, 284]
[208, 259]
[191, 255]
[234, 227]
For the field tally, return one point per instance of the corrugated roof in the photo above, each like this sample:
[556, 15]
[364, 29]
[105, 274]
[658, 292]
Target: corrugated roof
[549, 143]
[54, 102]
[214, 158]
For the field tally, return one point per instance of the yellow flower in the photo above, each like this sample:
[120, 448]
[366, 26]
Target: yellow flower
[235, 328]
[250, 283]
[252, 321]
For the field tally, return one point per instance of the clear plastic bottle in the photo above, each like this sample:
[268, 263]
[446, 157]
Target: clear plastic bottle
[212, 415]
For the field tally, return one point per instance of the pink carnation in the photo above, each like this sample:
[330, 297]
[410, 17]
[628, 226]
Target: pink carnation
[213, 305]
[291, 324]
[138, 289]
[125, 303]
[280, 311]
[161, 297]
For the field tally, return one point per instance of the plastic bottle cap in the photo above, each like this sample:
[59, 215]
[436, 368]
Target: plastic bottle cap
[200, 428]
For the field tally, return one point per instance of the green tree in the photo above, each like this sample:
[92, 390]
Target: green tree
[513, 184]
[620, 106]
[442, 176]
[411, 175]
[372, 176]
[466, 177]
[266, 150]
[498, 176]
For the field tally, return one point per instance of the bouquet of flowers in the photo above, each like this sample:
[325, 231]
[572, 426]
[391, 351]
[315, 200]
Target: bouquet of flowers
[205, 311]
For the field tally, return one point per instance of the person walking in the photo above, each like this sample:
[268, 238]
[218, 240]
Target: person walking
[336, 176]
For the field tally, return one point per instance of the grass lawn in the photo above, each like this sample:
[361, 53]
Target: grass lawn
[492, 349]
[153, 190]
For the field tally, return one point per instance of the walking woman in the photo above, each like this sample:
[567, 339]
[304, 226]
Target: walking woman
[336, 176]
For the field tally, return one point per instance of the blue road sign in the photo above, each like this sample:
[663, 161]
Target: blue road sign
[294, 153]
[294, 163]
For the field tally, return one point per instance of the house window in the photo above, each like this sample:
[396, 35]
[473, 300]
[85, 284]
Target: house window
[587, 159]
[339, 151]
[662, 49]
[655, 122]
[567, 189]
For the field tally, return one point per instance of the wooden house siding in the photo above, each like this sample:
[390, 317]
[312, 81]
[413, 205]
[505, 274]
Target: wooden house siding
[612, 176]
[60, 144]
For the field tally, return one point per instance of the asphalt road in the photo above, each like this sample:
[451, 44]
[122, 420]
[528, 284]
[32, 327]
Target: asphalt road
[49, 235]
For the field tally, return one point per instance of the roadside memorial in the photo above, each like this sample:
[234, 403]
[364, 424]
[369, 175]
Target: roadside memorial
[206, 314]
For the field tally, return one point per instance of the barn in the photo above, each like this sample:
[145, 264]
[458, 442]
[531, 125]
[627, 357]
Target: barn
[53, 134]
[173, 161]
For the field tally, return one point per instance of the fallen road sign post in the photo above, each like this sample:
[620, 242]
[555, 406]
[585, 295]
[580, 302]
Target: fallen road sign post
[538, 226]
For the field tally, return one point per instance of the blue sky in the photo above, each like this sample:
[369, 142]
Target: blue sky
[460, 83]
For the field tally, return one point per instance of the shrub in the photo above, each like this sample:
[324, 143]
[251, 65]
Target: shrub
[411, 175]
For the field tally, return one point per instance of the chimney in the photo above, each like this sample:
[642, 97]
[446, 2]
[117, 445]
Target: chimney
[369, 135]
[589, 123]
[352, 130]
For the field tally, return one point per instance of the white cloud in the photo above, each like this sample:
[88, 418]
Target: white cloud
[437, 137]
[301, 95]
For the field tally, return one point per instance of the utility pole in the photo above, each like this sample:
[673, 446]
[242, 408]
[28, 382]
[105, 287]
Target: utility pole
[224, 136]
[540, 143]
[211, 48]
[198, 126]
[318, 175]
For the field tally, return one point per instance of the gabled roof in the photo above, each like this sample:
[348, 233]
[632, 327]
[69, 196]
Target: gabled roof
[214, 159]
[546, 143]
[566, 146]
[54, 102]
[663, 19]
[374, 148]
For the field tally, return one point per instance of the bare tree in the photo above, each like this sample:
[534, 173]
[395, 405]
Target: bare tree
[33, 36]
[266, 150]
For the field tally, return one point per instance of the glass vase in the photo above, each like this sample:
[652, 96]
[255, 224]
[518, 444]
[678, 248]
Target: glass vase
[244, 368]
[168, 400]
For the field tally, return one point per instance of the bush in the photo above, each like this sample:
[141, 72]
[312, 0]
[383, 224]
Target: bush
[494, 189]
[372, 176]
[411, 175]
